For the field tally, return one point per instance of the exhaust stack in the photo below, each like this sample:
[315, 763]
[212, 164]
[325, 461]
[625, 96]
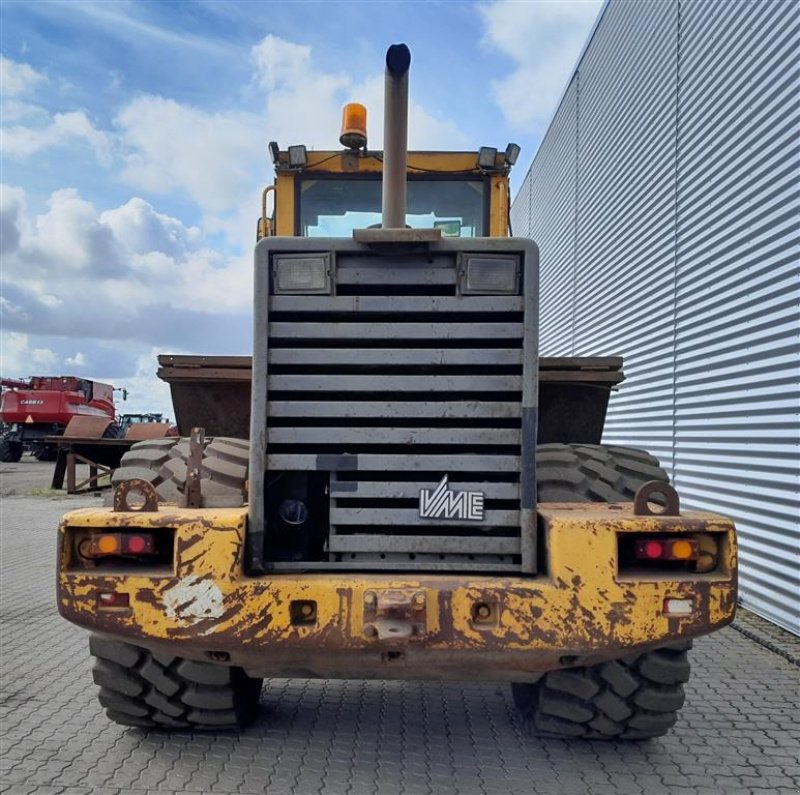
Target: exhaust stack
[395, 137]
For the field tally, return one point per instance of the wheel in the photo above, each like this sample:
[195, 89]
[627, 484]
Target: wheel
[631, 699]
[10, 451]
[139, 688]
[163, 463]
[593, 472]
[44, 452]
[114, 431]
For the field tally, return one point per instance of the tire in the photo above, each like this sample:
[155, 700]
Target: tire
[593, 472]
[163, 463]
[629, 699]
[114, 431]
[10, 451]
[44, 452]
[635, 698]
[153, 691]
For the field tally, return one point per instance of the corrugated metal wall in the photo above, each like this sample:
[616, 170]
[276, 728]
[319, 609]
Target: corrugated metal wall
[665, 199]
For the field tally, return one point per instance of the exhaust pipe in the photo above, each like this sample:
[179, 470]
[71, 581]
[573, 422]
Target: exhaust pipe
[395, 137]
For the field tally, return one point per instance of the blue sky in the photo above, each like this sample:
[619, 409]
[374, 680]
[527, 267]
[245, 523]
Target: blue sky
[134, 151]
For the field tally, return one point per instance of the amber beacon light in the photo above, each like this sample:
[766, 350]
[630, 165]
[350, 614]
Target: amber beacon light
[354, 126]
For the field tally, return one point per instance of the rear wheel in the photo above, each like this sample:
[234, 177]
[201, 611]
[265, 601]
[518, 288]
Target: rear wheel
[593, 472]
[139, 688]
[634, 698]
[10, 451]
[164, 464]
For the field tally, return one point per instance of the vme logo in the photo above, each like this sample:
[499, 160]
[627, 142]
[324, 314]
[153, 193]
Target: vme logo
[441, 503]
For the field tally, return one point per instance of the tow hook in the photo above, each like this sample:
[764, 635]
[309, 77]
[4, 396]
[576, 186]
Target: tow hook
[395, 614]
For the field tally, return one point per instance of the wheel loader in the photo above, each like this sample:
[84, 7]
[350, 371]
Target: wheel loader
[393, 514]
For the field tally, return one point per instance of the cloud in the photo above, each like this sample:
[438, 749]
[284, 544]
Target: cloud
[129, 272]
[78, 360]
[19, 359]
[64, 129]
[33, 128]
[219, 159]
[171, 146]
[17, 78]
[140, 229]
[543, 40]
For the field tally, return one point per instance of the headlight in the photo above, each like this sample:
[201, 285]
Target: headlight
[489, 275]
[301, 274]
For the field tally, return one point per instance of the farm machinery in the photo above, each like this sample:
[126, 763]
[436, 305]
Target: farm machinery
[42, 407]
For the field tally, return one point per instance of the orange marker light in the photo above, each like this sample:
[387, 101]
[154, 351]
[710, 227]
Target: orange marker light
[354, 126]
[682, 550]
[108, 544]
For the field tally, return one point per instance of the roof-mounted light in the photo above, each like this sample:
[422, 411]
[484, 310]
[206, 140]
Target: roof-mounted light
[354, 126]
[512, 153]
[274, 152]
[298, 156]
[487, 157]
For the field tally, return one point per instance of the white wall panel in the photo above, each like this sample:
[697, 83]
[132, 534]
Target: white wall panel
[666, 202]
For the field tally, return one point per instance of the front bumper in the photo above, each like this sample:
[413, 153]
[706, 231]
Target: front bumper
[464, 626]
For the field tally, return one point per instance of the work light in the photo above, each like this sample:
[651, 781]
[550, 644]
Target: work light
[301, 274]
[490, 275]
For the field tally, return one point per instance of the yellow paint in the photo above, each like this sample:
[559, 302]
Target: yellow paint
[580, 606]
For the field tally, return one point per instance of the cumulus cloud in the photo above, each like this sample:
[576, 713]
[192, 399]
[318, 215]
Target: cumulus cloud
[140, 229]
[20, 359]
[78, 360]
[17, 78]
[210, 156]
[64, 129]
[543, 41]
[219, 159]
[117, 273]
[28, 128]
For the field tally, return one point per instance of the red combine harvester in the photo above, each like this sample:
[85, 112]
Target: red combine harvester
[33, 410]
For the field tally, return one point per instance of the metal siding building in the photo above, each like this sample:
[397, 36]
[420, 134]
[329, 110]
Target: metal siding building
[665, 199]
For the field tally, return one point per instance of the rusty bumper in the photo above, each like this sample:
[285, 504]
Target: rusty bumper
[581, 611]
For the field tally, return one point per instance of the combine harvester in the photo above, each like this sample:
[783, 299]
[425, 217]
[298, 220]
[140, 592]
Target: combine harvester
[33, 410]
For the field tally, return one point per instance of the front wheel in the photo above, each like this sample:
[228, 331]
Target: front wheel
[155, 691]
[10, 451]
[630, 699]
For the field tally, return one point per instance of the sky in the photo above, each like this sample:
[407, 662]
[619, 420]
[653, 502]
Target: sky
[134, 135]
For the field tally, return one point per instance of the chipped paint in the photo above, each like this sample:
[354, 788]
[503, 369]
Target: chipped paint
[192, 599]
[579, 608]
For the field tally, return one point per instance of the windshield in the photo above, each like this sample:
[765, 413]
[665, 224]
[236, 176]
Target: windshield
[335, 207]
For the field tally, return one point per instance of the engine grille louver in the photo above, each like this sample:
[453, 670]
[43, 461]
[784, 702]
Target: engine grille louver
[390, 385]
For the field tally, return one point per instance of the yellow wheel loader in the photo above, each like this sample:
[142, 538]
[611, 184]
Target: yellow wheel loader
[418, 496]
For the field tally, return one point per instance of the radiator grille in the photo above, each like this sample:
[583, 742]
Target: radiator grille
[389, 385]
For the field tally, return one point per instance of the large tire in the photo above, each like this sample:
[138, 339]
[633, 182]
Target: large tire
[114, 431]
[635, 698]
[44, 452]
[163, 463]
[10, 451]
[593, 472]
[139, 688]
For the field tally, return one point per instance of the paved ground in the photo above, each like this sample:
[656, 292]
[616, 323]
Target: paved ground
[739, 732]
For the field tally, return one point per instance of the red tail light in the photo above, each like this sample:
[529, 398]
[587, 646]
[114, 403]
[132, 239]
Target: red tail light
[666, 549]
